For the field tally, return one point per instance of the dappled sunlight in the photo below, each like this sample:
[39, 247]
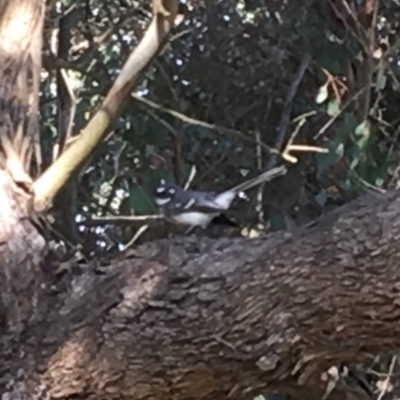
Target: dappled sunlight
[19, 21]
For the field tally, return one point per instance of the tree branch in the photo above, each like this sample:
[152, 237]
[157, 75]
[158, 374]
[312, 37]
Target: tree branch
[53, 179]
[201, 318]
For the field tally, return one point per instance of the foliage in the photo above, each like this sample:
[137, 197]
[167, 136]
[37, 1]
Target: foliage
[228, 68]
[218, 88]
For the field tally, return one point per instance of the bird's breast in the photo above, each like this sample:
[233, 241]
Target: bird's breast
[194, 218]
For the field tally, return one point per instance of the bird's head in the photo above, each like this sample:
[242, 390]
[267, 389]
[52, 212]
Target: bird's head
[165, 193]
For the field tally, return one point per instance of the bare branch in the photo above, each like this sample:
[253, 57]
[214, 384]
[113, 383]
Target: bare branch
[55, 177]
[287, 108]
[194, 121]
[204, 319]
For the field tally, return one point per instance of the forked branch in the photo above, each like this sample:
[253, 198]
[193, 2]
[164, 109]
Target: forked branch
[53, 179]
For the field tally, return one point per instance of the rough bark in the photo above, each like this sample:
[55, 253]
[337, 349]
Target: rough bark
[187, 318]
[199, 318]
[21, 248]
[21, 24]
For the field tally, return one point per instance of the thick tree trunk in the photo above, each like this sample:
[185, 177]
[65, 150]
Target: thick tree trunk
[207, 319]
[21, 248]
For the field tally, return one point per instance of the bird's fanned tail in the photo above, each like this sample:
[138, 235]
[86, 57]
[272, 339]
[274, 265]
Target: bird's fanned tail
[264, 177]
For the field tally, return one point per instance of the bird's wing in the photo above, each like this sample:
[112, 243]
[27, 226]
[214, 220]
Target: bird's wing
[191, 201]
[205, 202]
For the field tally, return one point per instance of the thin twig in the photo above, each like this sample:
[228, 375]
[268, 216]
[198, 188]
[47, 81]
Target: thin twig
[287, 108]
[299, 147]
[307, 148]
[121, 218]
[387, 380]
[66, 134]
[259, 205]
[304, 116]
[193, 121]
[368, 186]
[136, 236]
[336, 116]
[192, 174]
[343, 18]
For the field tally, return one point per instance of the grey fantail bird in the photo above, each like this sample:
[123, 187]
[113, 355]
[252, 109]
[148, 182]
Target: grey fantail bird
[194, 208]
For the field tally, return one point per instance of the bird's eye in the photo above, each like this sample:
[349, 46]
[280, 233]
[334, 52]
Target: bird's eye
[160, 190]
[172, 191]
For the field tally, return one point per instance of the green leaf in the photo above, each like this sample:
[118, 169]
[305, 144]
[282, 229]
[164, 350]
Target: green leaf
[333, 108]
[346, 185]
[372, 172]
[335, 153]
[322, 94]
[353, 156]
[349, 123]
[379, 181]
[141, 201]
[362, 135]
[363, 128]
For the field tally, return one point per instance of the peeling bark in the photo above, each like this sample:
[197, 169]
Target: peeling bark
[21, 23]
[201, 318]
[21, 247]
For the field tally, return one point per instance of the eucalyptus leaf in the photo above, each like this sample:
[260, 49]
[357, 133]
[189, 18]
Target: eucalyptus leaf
[335, 153]
[141, 201]
[363, 128]
[333, 108]
[322, 94]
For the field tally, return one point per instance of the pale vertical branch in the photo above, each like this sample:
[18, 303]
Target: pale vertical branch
[21, 23]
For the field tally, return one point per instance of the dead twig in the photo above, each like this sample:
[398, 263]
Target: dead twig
[286, 112]
[337, 115]
[287, 108]
[136, 236]
[191, 177]
[290, 147]
[386, 383]
[203, 124]
[66, 134]
[121, 218]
